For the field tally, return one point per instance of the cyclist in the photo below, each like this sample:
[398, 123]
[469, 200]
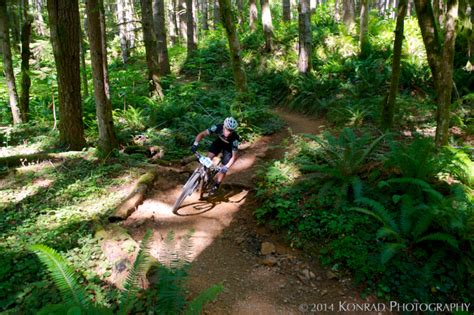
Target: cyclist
[227, 142]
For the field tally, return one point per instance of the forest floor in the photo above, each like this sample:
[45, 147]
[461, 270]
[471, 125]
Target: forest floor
[260, 272]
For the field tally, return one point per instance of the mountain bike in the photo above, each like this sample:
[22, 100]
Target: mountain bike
[200, 179]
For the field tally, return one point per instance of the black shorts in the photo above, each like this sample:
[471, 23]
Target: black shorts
[218, 146]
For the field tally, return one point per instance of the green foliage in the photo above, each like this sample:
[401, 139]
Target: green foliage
[63, 276]
[341, 160]
[403, 227]
[169, 285]
[140, 267]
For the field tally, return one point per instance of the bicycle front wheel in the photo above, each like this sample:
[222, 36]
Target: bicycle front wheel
[188, 189]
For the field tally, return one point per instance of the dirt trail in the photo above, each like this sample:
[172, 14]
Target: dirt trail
[226, 241]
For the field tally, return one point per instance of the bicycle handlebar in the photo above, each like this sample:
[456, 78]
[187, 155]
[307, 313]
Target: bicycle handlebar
[213, 167]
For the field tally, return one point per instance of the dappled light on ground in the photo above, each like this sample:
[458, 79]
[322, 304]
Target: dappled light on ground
[203, 219]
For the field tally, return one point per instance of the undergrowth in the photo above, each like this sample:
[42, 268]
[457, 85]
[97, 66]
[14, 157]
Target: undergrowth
[385, 211]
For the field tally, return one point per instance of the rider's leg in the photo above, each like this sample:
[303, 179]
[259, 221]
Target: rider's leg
[226, 156]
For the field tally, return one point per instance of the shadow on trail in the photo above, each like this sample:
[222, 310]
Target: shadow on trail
[225, 195]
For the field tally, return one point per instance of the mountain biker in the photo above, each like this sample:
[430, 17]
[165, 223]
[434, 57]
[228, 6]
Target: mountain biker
[227, 142]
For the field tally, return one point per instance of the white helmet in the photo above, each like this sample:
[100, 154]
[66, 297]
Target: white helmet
[230, 123]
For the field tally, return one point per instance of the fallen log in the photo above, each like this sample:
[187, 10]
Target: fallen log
[25, 159]
[154, 152]
[135, 198]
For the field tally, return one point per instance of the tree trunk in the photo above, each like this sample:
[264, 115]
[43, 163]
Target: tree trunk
[234, 45]
[440, 55]
[182, 20]
[40, 26]
[150, 48]
[8, 64]
[195, 20]
[286, 5]
[217, 14]
[25, 62]
[349, 16]
[392, 11]
[312, 6]
[409, 7]
[160, 31]
[267, 25]
[85, 85]
[173, 22]
[253, 14]
[305, 38]
[123, 31]
[191, 44]
[130, 18]
[387, 7]
[436, 13]
[65, 37]
[364, 22]
[15, 28]
[388, 109]
[240, 11]
[97, 40]
[204, 14]
[337, 10]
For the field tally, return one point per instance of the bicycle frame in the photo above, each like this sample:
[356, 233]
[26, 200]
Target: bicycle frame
[201, 177]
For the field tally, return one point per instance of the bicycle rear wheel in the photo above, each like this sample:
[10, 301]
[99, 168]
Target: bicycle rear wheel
[188, 189]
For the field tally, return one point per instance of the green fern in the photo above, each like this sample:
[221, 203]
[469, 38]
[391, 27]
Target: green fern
[342, 159]
[138, 271]
[390, 250]
[379, 212]
[441, 237]
[195, 306]
[415, 160]
[418, 183]
[414, 223]
[63, 276]
[171, 283]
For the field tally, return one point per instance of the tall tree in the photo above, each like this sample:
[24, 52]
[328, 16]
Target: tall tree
[8, 64]
[182, 20]
[40, 26]
[150, 48]
[217, 14]
[240, 79]
[337, 10]
[130, 17]
[440, 53]
[25, 62]
[364, 22]
[173, 22]
[204, 14]
[125, 19]
[85, 84]
[65, 36]
[267, 25]
[100, 75]
[240, 11]
[160, 31]
[388, 107]
[349, 15]
[286, 6]
[253, 14]
[191, 44]
[195, 20]
[305, 39]
[124, 45]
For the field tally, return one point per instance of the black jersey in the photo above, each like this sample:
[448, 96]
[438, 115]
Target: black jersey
[231, 141]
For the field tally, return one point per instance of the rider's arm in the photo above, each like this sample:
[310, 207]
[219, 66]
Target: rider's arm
[201, 135]
[232, 159]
